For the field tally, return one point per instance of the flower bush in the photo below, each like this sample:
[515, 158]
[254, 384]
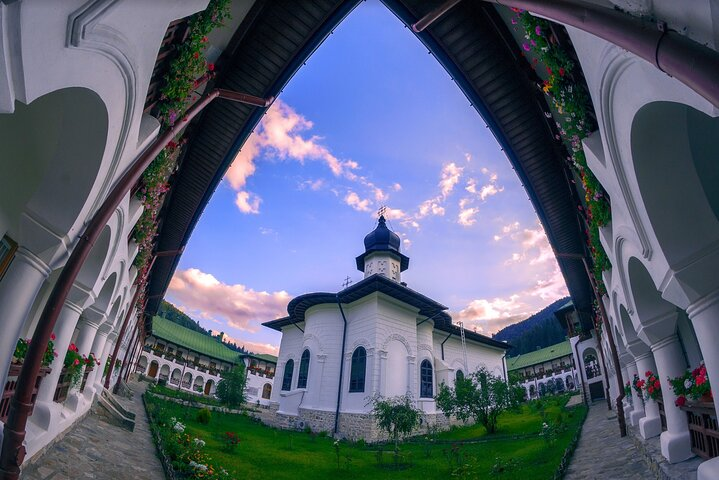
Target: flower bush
[24, 343]
[651, 386]
[565, 88]
[230, 440]
[183, 451]
[91, 361]
[187, 71]
[73, 363]
[693, 384]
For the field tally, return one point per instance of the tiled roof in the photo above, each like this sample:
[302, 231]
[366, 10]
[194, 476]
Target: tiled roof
[192, 340]
[262, 356]
[539, 356]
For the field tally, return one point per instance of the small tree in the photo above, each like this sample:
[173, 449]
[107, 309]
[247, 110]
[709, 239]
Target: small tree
[397, 416]
[231, 389]
[481, 395]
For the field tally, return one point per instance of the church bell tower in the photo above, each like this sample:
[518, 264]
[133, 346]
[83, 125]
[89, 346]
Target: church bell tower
[382, 253]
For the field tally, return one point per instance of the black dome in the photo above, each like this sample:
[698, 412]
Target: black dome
[381, 238]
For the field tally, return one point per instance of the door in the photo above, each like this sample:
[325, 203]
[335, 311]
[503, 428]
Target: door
[153, 370]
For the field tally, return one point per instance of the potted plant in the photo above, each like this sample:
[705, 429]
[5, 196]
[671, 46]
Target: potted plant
[693, 384]
[651, 386]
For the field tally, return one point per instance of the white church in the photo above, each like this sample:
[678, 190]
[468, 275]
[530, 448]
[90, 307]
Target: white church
[375, 337]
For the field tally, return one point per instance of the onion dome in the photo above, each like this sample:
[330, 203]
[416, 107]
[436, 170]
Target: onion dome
[380, 240]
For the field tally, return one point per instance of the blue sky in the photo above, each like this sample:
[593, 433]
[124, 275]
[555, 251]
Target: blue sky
[371, 120]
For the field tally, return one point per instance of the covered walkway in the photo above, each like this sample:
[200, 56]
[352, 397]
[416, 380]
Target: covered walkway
[94, 449]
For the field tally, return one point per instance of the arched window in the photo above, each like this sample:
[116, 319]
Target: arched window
[304, 369]
[357, 372]
[425, 389]
[459, 375]
[267, 391]
[287, 377]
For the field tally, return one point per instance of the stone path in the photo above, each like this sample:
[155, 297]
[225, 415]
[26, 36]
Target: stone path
[603, 454]
[94, 449]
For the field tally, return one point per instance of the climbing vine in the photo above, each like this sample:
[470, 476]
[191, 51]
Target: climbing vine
[569, 97]
[186, 72]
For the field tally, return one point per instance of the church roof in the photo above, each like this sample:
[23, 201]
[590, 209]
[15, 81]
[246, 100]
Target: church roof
[540, 356]
[379, 283]
[192, 340]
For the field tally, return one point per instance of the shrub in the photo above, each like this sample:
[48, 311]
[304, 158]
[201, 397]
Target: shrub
[230, 440]
[397, 416]
[204, 416]
[231, 389]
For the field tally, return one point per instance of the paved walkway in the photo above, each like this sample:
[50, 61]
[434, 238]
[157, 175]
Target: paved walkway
[602, 454]
[97, 450]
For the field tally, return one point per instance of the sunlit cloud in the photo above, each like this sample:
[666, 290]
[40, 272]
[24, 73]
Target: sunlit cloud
[359, 204]
[248, 202]
[238, 306]
[313, 185]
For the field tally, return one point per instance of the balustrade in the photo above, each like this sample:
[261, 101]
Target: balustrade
[703, 429]
[11, 385]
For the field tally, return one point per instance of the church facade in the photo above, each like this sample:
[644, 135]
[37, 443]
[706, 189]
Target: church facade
[376, 337]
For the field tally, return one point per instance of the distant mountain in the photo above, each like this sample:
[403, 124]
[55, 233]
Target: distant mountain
[538, 331]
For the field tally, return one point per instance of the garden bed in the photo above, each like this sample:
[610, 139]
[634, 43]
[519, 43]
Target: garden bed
[518, 450]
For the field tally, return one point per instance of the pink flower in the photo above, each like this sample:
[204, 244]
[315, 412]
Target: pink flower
[538, 30]
[526, 47]
[76, 362]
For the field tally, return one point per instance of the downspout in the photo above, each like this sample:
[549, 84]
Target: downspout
[121, 335]
[690, 62]
[442, 344]
[13, 452]
[342, 364]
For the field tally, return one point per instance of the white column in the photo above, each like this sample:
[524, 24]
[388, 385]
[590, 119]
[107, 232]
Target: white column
[637, 412]
[411, 374]
[382, 374]
[651, 425]
[18, 289]
[109, 346]
[98, 350]
[86, 335]
[45, 408]
[675, 442]
[704, 314]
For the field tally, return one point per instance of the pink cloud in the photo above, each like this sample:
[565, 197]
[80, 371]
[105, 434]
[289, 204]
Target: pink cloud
[236, 305]
[254, 347]
[248, 202]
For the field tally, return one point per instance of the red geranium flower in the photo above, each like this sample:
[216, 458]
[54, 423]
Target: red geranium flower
[52, 336]
[211, 67]
[196, 55]
[650, 390]
[700, 380]
[561, 71]
[680, 401]
[657, 385]
[76, 362]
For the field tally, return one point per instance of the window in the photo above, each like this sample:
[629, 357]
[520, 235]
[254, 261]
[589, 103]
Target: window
[7, 252]
[304, 369]
[459, 375]
[266, 391]
[425, 389]
[357, 371]
[287, 377]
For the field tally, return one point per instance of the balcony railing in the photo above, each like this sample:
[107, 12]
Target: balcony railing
[703, 429]
[11, 385]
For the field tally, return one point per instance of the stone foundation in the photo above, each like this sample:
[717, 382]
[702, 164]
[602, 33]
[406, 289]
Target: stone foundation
[352, 426]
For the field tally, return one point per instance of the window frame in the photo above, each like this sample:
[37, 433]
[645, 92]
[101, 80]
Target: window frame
[287, 381]
[426, 384]
[304, 371]
[6, 260]
[358, 370]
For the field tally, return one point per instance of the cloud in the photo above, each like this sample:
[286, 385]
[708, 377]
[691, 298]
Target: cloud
[430, 206]
[354, 201]
[545, 281]
[466, 216]
[253, 347]
[396, 187]
[394, 214]
[450, 176]
[248, 202]
[236, 305]
[489, 190]
[313, 185]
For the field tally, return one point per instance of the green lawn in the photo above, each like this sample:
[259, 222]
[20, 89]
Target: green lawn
[469, 451]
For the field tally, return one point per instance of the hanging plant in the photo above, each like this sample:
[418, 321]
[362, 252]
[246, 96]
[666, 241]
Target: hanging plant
[24, 343]
[186, 72]
[574, 120]
[73, 363]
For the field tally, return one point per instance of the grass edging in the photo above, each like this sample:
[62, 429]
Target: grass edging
[569, 451]
[164, 460]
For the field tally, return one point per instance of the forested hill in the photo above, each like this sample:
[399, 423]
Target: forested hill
[540, 330]
[173, 314]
